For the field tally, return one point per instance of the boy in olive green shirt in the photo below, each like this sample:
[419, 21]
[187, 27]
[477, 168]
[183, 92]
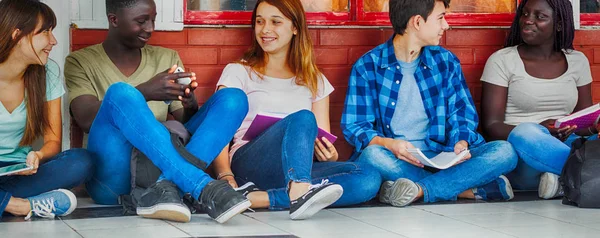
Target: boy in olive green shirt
[117, 93]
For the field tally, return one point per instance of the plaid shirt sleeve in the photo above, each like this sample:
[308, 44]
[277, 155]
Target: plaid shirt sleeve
[359, 115]
[462, 116]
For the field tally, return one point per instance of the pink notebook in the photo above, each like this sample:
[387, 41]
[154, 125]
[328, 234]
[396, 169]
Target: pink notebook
[261, 122]
[582, 119]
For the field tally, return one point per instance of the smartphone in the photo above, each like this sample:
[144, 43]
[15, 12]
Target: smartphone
[15, 168]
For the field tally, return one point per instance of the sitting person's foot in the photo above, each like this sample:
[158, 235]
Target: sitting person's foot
[399, 193]
[247, 188]
[60, 202]
[549, 186]
[221, 201]
[162, 201]
[499, 189]
[319, 196]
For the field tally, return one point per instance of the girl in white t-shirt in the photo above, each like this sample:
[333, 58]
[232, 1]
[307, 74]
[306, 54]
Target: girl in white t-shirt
[279, 75]
[30, 107]
[535, 80]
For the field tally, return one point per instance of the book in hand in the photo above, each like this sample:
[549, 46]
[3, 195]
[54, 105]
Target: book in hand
[15, 168]
[262, 121]
[582, 119]
[443, 160]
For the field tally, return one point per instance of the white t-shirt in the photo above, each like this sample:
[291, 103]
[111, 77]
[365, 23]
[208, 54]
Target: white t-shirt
[12, 125]
[532, 99]
[273, 95]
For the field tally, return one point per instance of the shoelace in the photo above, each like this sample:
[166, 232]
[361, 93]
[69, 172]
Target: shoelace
[313, 187]
[44, 208]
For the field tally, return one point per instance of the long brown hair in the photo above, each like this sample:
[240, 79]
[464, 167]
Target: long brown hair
[25, 15]
[300, 56]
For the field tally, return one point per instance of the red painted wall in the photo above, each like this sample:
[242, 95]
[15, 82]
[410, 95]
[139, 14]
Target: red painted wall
[206, 51]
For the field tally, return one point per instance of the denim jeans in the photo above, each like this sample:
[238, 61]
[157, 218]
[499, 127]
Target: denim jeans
[284, 153]
[124, 120]
[538, 152]
[488, 161]
[65, 170]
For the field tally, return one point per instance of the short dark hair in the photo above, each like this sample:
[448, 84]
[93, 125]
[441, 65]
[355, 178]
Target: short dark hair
[113, 6]
[402, 10]
[563, 18]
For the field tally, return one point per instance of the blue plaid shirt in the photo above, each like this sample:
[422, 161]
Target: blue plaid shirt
[373, 90]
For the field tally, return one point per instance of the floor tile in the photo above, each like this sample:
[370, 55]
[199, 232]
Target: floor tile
[146, 232]
[241, 225]
[428, 222]
[537, 206]
[471, 232]
[466, 209]
[113, 223]
[323, 223]
[505, 219]
[360, 235]
[555, 231]
[380, 212]
[54, 228]
[577, 216]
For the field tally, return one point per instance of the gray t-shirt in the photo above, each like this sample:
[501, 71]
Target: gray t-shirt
[532, 99]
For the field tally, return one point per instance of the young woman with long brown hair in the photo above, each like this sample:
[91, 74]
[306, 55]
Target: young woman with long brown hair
[30, 107]
[279, 75]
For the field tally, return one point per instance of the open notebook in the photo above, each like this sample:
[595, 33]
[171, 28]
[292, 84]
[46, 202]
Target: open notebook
[443, 160]
[582, 119]
[263, 120]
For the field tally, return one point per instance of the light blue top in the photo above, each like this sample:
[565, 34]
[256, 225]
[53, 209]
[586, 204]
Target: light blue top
[410, 121]
[12, 125]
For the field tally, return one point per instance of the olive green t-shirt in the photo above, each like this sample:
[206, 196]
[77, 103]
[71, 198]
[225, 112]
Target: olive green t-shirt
[90, 71]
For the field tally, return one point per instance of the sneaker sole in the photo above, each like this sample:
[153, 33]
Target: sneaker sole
[171, 212]
[72, 199]
[548, 186]
[508, 188]
[321, 200]
[233, 211]
[400, 193]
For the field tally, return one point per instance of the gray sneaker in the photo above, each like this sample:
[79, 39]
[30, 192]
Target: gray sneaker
[162, 201]
[549, 186]
[400, 193]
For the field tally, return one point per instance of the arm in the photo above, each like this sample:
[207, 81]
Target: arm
[324, 149]
[584, 100]
[358, 117]
[190, 103]
[222, 167]
[493, 107]
[84, 109]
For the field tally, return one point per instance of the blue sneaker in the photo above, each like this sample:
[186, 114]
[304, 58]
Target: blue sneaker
[498, 189]
[60, 202]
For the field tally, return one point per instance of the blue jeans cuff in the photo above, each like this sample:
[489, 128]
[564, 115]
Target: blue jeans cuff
[273, 202]
[4, 201]
[425, 192]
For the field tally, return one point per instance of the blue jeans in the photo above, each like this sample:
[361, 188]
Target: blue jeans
[488, 161]
[284, 153]
[124, 121]
[538, 152]
[65, 170]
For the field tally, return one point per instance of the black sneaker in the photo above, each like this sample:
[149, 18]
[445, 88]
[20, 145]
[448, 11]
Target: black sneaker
[162, 201]
[221, 201]
[247, 188]
[319, 196]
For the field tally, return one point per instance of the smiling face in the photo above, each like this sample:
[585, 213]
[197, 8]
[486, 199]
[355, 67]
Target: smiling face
[273, 31]
[537, 23]
[432, 30]
[36, 48]
[136, 24]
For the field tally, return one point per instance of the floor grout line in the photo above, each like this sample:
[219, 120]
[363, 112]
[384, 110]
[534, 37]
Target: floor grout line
[287, 232]
[67, 224]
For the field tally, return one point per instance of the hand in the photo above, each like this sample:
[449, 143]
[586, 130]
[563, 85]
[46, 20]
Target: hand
[400, 149]
[230, 180]
[163, 86]
[459, 147]
[189, 99]
[33, 159]
[562, 133]
[327, 152]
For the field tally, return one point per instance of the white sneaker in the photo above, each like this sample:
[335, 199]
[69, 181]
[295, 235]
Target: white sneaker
[549, 186]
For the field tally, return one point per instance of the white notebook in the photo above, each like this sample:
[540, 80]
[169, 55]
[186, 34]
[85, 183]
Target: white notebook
[442, 161]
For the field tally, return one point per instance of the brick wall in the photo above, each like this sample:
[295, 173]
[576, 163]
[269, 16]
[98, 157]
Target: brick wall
[207, 51]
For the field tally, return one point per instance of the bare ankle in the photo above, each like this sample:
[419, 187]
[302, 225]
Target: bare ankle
[259, 199]
[18, 206]
[298, 189]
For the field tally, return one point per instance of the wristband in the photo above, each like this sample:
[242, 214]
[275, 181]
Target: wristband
[224, 174]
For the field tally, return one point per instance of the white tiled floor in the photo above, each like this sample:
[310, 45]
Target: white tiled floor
[514, 219]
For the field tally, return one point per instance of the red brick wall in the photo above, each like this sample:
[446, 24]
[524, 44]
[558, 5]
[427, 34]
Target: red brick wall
[207, 51]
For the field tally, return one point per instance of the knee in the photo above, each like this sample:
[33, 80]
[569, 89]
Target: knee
[522, 134]
[503, 155]
[304, 120]
[378, 157]
[370, 183]
[232, 100]
[82, 163]
[122, 93]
